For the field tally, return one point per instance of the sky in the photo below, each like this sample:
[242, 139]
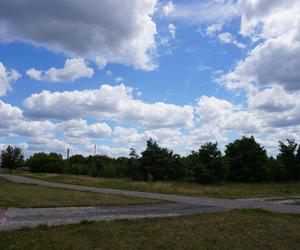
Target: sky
[74, 74]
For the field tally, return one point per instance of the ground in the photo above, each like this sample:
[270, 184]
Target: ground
[239, 229]
[193, 222]
[227, 190]
[25, 196]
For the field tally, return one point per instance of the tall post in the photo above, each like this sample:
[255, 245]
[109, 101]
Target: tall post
[68, 154]
[95, 149]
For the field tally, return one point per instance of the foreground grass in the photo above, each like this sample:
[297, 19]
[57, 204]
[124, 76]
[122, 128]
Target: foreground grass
[240, 229]
[227, 190]
[20, 195]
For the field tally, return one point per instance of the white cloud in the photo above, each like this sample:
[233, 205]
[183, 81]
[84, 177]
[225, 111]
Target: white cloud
[119, 79]
[77, 131]
[214, 112]
[276, 107]
[172, 30]
[91, 29]
[13, 123]
[227, 38]
[41, 144]
[108, 102]
[267, 19]
[213, 28]
[275, 61]
[101, 62]
[128, 136]
[9, 114]
[112, 151]
[276, 58]
[168, 8]
[73, 69]
[34, 74]
[7, 76]
[198, 12]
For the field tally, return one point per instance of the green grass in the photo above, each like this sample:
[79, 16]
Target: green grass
[21, 195]
[240, 229]
[227, 190]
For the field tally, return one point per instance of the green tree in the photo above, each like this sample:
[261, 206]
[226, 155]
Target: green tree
[46, 163]
[134, 170]
[12, 157]
[160, 163]
[288, 159]
[208, 164]
[77, 159]
[246, 160]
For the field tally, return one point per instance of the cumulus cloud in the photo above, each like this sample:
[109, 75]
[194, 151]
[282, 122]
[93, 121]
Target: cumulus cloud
[108, 102]
[9, 114]
[7, 76]
[13, 123]
[276, 58]
[227, 116]
[38, 144]
[276, 107]
[90, 29]
[78, 131]
[73, 69]
[128, 136]
[227, 38]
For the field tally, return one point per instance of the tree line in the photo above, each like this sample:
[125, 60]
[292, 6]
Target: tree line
[244, 160]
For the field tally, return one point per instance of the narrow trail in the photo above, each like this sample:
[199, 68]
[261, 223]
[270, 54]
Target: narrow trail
[13, 218]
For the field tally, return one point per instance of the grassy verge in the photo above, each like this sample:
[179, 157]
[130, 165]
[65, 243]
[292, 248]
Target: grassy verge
[240, 229]
[227, 190]
[20, 195]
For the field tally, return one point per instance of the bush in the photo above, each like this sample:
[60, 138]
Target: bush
[108, 171]
[78, 168]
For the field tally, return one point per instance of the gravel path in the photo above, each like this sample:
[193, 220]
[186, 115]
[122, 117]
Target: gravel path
[16, 218]
[31, 217]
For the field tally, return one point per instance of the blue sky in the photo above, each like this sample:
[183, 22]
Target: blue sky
[182, 72]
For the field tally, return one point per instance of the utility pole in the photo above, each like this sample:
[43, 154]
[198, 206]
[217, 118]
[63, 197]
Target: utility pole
[95, 149]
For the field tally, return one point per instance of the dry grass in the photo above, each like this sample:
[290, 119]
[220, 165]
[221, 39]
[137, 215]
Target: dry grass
[240, 229]
[227, 190]
[20, 195]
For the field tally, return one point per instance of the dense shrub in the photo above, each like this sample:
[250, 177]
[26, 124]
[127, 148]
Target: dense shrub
[108, 171]
[78, 168]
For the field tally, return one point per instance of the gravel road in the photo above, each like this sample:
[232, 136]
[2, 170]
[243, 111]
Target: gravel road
[13, 218]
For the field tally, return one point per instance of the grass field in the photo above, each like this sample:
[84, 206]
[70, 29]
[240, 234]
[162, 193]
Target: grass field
[20, 195]
[240, 229]
[227, 190]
